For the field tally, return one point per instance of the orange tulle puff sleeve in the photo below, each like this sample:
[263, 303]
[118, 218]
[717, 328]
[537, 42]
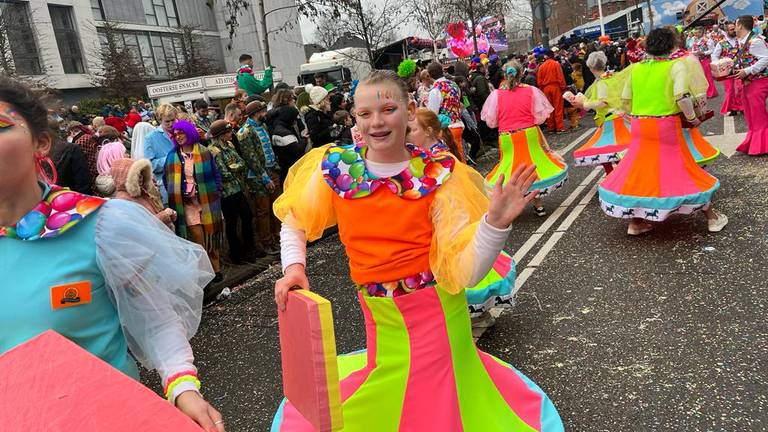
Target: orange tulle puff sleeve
[459, 205]
[306, 202]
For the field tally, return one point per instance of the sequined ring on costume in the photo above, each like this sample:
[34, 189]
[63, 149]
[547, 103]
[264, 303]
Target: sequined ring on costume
[59, 211]
[401, 287]
[345, 172]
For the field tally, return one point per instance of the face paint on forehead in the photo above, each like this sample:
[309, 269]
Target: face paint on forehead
[390, 95]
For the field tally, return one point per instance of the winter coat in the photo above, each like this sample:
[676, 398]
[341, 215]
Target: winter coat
[71, 167]
[320, 125]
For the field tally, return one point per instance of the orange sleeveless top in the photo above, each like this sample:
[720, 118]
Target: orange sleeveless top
[385, 224]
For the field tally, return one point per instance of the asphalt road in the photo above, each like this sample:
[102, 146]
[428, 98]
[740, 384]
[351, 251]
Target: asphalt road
[666, 331]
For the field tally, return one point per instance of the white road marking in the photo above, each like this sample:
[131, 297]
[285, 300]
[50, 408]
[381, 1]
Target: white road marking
[729, 140]
[563, 151]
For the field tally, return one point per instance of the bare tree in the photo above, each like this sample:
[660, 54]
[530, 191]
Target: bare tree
[119, 71]
[193, 59]
[474, 10]
[432, 16]
[327, 32]
[520, 19]
[375, 25]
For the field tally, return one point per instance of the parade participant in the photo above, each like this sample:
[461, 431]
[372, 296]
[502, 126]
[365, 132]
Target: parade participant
[106, 275]
[431, 133]
[727, 48]
[752, 68]
[429, 231]
[159, 143]
[194, 191]
[517, 110]
[658, 176]
[702, 47]
[551, 81]
[612, 136]
[246, 80]
[445, 98]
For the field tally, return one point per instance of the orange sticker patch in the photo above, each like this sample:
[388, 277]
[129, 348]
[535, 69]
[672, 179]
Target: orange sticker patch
[71, 294]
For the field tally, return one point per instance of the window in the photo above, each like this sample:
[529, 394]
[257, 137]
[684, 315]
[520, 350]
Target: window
[97, 10]
[67, 39]
[159, 52]
[161, 12]
[18, 51]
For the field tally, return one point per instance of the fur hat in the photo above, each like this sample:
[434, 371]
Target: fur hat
[317, 94]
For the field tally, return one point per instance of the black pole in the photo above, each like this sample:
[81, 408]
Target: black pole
[693, 23]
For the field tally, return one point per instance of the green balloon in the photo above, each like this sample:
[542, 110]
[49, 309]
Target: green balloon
[356, 170]
[349, 156]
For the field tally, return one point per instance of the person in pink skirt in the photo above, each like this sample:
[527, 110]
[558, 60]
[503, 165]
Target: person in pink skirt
[703, 48]
[727, 48]
[752, 68]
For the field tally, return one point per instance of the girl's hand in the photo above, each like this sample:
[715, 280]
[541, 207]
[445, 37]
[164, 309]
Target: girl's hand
[195, 407]
[294, 277]
[507, 202]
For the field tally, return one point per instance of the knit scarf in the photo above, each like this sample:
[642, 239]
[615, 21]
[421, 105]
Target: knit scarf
[208, 194]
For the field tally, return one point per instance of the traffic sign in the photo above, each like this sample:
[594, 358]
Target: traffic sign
[537, 8]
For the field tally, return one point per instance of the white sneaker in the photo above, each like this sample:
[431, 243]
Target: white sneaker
[642, 228]
[717, 224]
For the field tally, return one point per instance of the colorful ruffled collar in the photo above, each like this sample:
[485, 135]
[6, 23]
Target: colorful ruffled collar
[345, 172]
[59, 210]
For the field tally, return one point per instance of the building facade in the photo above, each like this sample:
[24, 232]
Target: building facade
[566, 14]
[60, 40]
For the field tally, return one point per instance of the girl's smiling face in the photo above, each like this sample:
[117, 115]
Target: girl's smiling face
[383, 113]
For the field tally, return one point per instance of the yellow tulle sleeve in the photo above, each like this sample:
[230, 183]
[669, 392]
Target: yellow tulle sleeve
[306, 202]
[697, 81]
[459, 204]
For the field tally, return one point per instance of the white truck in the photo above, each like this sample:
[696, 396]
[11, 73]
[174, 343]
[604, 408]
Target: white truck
[340, 66]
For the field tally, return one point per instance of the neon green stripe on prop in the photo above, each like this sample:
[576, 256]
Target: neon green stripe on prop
[389, 377]
[351, 362]
[482, 406]
[545, 167]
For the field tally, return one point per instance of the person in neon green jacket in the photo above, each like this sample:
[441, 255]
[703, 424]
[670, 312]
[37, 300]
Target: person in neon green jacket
[249, 83]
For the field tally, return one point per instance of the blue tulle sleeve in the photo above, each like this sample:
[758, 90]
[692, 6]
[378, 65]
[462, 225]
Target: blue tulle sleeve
[156, 280]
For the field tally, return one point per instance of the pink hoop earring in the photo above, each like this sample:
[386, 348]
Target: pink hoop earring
[41, 171]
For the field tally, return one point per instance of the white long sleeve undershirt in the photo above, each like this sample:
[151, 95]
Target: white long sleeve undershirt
[482, 251]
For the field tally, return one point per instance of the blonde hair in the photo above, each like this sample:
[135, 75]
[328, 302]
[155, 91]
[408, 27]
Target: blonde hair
[165, 110]
[97, 122]
[512, 80]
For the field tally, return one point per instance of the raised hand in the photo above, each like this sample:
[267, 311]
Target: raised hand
[508, 201]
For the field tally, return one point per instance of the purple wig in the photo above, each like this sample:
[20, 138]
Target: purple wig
[189, 130]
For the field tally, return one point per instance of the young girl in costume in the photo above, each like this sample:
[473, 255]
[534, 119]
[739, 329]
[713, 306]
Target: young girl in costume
[658, 176]
[145, 284]
[429, 232]
[612, 136]
[194, 191]
[430, 132]
[518, 110]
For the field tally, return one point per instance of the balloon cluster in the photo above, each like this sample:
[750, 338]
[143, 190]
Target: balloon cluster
[604, 40]
[538, 51]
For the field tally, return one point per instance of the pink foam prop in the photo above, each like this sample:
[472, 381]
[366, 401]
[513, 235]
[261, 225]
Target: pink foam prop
[51, 384]
[308, 352]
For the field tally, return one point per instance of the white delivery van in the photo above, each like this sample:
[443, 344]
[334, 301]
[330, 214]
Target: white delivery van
[340, 66]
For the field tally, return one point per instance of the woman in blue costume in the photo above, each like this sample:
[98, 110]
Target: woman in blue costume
[135, 285]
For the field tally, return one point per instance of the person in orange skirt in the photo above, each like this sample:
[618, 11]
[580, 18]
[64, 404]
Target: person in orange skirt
[517, 110]
[658, 175]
